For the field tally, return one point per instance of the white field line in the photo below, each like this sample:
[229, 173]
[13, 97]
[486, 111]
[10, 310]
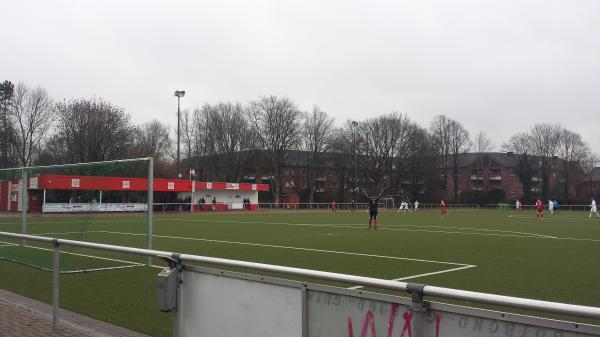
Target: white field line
[362, 227]
[485, 232]
[91, 256]
[553, 218]
[384, 227]
[108, 219]
[277, 246]
[426, 274]
[473, 229]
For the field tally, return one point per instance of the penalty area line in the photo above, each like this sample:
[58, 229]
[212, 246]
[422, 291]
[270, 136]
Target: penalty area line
[404, 278]
[276, 246]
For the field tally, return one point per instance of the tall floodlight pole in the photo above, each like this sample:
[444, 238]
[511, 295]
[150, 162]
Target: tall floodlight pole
[178, 94]
[354, 126]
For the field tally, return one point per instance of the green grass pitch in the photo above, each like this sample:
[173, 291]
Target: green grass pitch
[500, 252]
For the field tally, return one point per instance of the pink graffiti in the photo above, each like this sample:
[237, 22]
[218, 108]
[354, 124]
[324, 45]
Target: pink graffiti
[369, 322]
[407, 326]
[392, 319]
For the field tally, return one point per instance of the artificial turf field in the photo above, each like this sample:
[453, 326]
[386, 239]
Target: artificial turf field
[500, 252]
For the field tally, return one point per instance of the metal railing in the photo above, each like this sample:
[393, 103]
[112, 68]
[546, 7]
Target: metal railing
[512, 206]
[292, 206]
[403, 287]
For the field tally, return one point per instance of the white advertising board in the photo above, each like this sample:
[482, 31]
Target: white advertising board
[335, 315]
[219, 306]
[92, 207]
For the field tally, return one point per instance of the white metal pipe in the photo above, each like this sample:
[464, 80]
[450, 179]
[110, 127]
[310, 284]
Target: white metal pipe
[508, 301]
[55, 286]
[149, 204]
[79, 164]
[24, 203]
[517, 302]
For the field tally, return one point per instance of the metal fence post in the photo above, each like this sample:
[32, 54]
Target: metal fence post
[418, 307]
[304, 311]
[24, 203]
[55, 284]
[150, 201]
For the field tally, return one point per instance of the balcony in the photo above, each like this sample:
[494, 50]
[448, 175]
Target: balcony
[476, 177]
[496, 178]
[536, 179]
[477, 188]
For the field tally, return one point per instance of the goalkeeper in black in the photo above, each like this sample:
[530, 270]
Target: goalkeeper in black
[373, 209]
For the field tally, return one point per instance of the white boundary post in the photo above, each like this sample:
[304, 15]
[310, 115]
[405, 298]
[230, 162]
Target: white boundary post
[150, 202]
[55, 284]
[23, 195]
[193, 194]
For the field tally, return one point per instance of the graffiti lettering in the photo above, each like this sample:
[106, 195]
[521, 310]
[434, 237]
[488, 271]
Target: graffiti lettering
[392, 319]
[369, 322]
[407, 327]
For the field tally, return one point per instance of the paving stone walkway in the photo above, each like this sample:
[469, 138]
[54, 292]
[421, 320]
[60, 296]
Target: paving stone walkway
[24, 317]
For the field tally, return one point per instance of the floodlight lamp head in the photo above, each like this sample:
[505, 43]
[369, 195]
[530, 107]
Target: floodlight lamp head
[354, 123]
[180, 93]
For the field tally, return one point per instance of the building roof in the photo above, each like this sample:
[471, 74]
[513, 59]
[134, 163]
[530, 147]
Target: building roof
[67, 182]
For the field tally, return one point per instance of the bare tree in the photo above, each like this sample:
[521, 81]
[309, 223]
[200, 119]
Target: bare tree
[151, 139]
[420, 161]
[32, 116]
[451, 140]
[198, 130]
[227, 134]
[277, 124]
[346, 146]
[573, 150]
[519, 143]
[459, 145]
[440, 136]
[383, 137]
[544, 140]
[90, 130]
[482, 143]
[316, 141]
[6, 131]
[187, 135]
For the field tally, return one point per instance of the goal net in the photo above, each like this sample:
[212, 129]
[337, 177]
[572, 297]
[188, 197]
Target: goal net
[102, 202]
[387, 203]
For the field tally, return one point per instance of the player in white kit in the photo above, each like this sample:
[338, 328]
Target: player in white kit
[593, 209]
[403, 207]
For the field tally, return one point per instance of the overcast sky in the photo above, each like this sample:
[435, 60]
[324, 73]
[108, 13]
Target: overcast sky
[497, 66]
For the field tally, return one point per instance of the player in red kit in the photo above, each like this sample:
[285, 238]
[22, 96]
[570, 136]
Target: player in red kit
[443, 207]
[539, 209]
[333, 207]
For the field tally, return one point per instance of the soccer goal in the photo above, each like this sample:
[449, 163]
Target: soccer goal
[388, 202]
[394, 200]
[93, 202]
